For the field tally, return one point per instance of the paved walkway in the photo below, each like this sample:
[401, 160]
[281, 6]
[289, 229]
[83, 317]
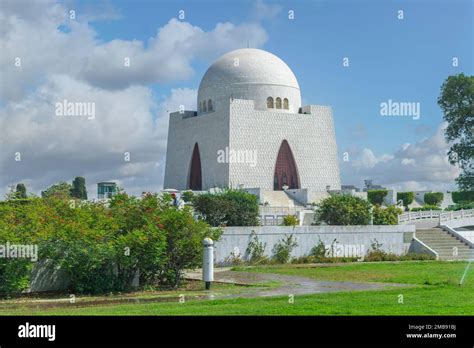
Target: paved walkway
[293, 285]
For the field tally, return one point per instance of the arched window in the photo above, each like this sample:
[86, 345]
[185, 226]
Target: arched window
[270, 102]
[286, 172]
[278, 103]
[286, 106]
[195, 175]
[209, 105]
[204, 106]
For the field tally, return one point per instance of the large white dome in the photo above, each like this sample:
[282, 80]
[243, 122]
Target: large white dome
[250, 73]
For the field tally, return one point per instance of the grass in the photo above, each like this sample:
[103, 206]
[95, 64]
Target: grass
[434, 291]
[405, 272]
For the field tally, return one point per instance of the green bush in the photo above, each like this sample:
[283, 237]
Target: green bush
[433, 198]
[228, 208]
[460, 206]
[426, 207]
[463, 196]
[290, 220]
[255, 252]
[375, 253]
[343, 210]
[318, 251]
[282, 250]
[406, 197]
[386, 216]
[101, 247]
[376, 196]
[184, 238]
[187, 196]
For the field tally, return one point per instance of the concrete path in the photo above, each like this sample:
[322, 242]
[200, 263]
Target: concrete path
[290, 285]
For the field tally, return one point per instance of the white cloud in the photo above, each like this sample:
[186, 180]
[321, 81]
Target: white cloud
[32, 34]
[262, 10]
[420, 166]
[76, 66]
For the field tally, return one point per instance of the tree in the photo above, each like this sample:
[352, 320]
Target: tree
[386, 216]
[21, 191]
[376, 196]
[79, 188]
[61, 190]
[230, 208]
[457, 102]
[344, 210]
[433, 198]
[406, 197]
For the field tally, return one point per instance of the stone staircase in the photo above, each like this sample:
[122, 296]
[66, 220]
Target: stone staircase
[445, 244]
[280, 199]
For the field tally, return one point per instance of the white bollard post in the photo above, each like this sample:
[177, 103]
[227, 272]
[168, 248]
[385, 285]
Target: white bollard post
[208, 262]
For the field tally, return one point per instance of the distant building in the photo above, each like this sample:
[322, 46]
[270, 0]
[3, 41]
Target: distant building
[106, 189]
[350, 187]
[370, 186]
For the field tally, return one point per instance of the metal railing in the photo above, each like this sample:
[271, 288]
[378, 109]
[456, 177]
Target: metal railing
[439, 214]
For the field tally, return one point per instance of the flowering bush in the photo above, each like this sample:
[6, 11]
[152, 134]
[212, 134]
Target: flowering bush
[101, 247]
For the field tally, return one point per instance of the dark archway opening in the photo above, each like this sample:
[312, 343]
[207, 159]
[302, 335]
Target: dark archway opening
[285, 169]
[195, 175]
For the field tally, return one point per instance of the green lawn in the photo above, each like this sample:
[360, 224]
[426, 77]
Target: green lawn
[435, 291]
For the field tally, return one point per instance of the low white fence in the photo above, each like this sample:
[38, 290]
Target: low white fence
[442, 216]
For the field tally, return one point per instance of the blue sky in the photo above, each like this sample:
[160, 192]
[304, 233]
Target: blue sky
[403, 60]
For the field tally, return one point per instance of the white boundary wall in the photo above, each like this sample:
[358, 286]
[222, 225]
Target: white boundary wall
[352, 240]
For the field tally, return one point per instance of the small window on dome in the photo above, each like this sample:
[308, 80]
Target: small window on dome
[270, 102]
[286, 106]
[278, 103]
[204, 106]
[209, 105]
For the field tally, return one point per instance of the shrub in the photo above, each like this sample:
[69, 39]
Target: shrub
[255, 252]
[290, 220]
[376, 196]
[233, 259]
[406, 197]
[100, 246]
[228, 208]
[282, 250]
[344, 210]
[462, 196]
[375, 253]
[386, 216]
[426, 207]
[433, 198]
[184, 238]
[187, 196]
[59, 190]
[318, 251]
[460, 206]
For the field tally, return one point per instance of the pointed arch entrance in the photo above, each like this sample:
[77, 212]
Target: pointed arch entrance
[195, 175]
[286, 172]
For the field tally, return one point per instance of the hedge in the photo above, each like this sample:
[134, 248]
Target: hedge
[406, 197]
[376, 196]
[433, 198]
[462, 196]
